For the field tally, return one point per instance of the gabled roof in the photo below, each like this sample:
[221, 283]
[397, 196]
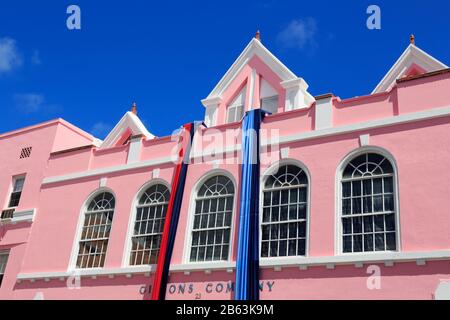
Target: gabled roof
[255, 47]
[412, 58]
[130, 123]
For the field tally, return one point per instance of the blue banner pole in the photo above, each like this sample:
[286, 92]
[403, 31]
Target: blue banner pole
[247, 264]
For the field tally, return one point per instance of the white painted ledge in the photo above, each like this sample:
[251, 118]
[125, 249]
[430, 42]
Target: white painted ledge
[108, 170]
[203, 266]
[24, 216]
[95, 272]
[373, 124]
[356, 259]
[20, 216]
[388, 258]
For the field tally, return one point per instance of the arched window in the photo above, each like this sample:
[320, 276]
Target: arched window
[212, 220]
[368, 204]
[148, 226]
[284, 216]
[95, 232]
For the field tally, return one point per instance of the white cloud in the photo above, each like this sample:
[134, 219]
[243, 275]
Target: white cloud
[32, 103]
[10, 57]
[36, 58]
[29, 102]
[101, 129]
[299, 34]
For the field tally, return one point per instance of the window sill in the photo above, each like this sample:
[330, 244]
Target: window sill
[128, 271]
[388, 258]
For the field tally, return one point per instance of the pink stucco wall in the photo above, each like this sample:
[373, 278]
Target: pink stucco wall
[417, 149]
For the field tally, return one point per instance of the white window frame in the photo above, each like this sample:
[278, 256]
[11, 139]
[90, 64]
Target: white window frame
[2, 254]
[338, 248]
[132, 219]
[190, 220]
[11, 190]
[271, 98]
[76, 244]
[268, 172]
[235, 107]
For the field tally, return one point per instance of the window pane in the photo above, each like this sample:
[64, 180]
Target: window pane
[18, 184]
[347, 226]
[95, 232]
[379, 241]
[270, 104]
[390, 241]
[215, 217]
[356, 185]
[357, 243]
[285, 195]
[371, 200]
[368, 242]
[347, 245]
[357, 225]
[388, 185]
[346, 189]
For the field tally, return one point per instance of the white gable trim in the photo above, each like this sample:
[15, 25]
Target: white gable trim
[255, 47]
[128, 121]
[411, 55]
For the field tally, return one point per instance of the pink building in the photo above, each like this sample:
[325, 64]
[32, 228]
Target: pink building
[355, 194]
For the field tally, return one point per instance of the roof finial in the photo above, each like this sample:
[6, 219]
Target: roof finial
[258, 35]
[134, 108]
[412, 39]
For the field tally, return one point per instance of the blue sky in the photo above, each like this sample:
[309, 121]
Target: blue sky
[168, 55]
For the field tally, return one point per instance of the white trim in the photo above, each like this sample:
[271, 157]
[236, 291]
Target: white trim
[23, 216]
[364, 140]
[411, 55]
[103, 182]
[131, 121]
[132, 218]
[442, 291]
[80, 223]
[251, 90]
[372, 124]
[269, 171]
[108, 170]
[191, 212]
[255, 47]
[384, 257]
[299, 262]
[134, 151]
[314, 134]
[338, 213]
[324, 113]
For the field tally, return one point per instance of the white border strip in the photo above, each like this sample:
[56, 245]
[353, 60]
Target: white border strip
[400, 119]
[108, 170]
[405, 118]
[301, 262]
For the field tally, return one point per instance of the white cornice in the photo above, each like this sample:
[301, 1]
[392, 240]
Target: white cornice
[211, 101]
[412, 55]
[128, 121]
[298, 82]
[108, 170]
[255, 47]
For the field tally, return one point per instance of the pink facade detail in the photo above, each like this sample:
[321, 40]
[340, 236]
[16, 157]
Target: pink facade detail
[406, 121]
